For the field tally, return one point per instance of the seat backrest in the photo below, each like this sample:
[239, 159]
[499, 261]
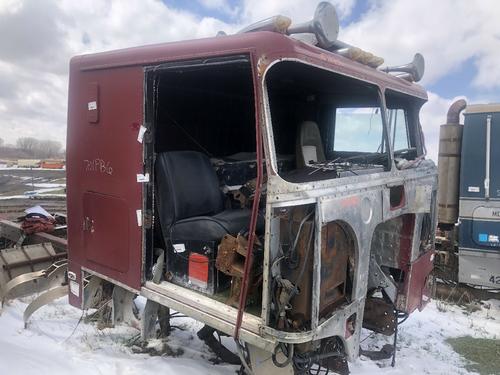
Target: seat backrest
[187, 186]
[309, 145]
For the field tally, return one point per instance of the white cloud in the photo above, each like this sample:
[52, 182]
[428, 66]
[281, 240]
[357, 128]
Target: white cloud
[97, 25]
[37, 39]
[432, 116]
[221, 5]
[447, 32]
[298, 10]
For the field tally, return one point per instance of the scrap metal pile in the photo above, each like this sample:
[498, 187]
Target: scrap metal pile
[33, 258]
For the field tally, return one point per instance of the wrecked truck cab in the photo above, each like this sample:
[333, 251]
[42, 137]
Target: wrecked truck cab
[271, 189]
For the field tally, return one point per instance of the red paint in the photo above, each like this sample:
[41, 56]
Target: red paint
[253, 223]
[106, 237]
[102, 162]
[416, 283]
[415, 286]
[350, 202]
[198, 269]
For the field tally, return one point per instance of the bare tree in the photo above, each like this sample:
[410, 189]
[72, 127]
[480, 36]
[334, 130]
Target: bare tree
[47, 148]
[27, 144]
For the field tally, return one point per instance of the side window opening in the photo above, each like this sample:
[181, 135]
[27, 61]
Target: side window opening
[403, 125]
[398, 129]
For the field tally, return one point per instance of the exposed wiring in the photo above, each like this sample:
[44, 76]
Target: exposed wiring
[295, 289]
[293, 257]
[288, 352]
[76, 326]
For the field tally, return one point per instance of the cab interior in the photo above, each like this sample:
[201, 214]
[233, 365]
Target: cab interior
[203, 163]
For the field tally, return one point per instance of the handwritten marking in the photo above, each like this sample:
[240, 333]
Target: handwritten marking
[98, 165]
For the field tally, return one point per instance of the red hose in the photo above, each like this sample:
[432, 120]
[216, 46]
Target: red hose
[251, 235]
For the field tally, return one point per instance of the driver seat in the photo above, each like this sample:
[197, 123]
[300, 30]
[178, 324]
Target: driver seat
[309, 147]
[190, 203]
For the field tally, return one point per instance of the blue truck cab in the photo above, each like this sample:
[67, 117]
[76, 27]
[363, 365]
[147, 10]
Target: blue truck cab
[479, 218]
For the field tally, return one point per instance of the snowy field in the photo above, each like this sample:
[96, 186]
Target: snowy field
[55, 343]
[19, 183]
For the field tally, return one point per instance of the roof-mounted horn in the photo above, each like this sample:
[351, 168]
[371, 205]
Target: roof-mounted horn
[413, 71]
[324, 25]
[277, 24]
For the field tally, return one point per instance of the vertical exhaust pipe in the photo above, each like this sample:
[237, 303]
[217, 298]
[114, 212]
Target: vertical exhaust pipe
[454, 111]
[450, 149]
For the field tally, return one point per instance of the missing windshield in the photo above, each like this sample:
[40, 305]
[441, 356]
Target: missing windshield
[330, 125]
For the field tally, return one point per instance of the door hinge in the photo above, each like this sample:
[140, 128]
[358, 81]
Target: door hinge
[148, 219]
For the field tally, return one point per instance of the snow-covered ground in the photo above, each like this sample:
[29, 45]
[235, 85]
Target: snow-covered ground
[21, 183]
[16, 168]
[55, 343]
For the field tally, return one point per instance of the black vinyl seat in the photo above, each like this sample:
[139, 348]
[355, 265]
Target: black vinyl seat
[190, 203]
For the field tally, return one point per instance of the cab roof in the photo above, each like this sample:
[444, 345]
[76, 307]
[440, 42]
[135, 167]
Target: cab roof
[483, 108]
[270, 46]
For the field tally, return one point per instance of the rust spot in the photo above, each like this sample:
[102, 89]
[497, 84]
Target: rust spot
[262, 64]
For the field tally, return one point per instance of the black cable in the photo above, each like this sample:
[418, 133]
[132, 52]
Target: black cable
[393, 362]
[286, 352]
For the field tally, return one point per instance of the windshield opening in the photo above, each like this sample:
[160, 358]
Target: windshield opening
[330, 125]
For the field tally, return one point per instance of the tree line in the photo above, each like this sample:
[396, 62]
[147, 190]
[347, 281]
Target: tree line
[32, 148]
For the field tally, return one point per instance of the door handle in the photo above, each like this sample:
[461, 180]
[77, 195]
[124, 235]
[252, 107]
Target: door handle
[88, 224]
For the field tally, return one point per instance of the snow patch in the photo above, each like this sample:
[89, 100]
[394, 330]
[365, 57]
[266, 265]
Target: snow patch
[56, 343]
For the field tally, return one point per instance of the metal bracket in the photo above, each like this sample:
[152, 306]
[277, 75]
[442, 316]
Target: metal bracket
[90, 291]
[153, 311]
[53, 272]
[122, 307]
[43, 299]
[378, 279]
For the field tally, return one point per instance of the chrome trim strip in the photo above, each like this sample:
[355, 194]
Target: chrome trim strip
[488, 156]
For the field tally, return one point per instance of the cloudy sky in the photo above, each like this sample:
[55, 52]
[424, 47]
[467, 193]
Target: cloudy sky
[460, 40]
